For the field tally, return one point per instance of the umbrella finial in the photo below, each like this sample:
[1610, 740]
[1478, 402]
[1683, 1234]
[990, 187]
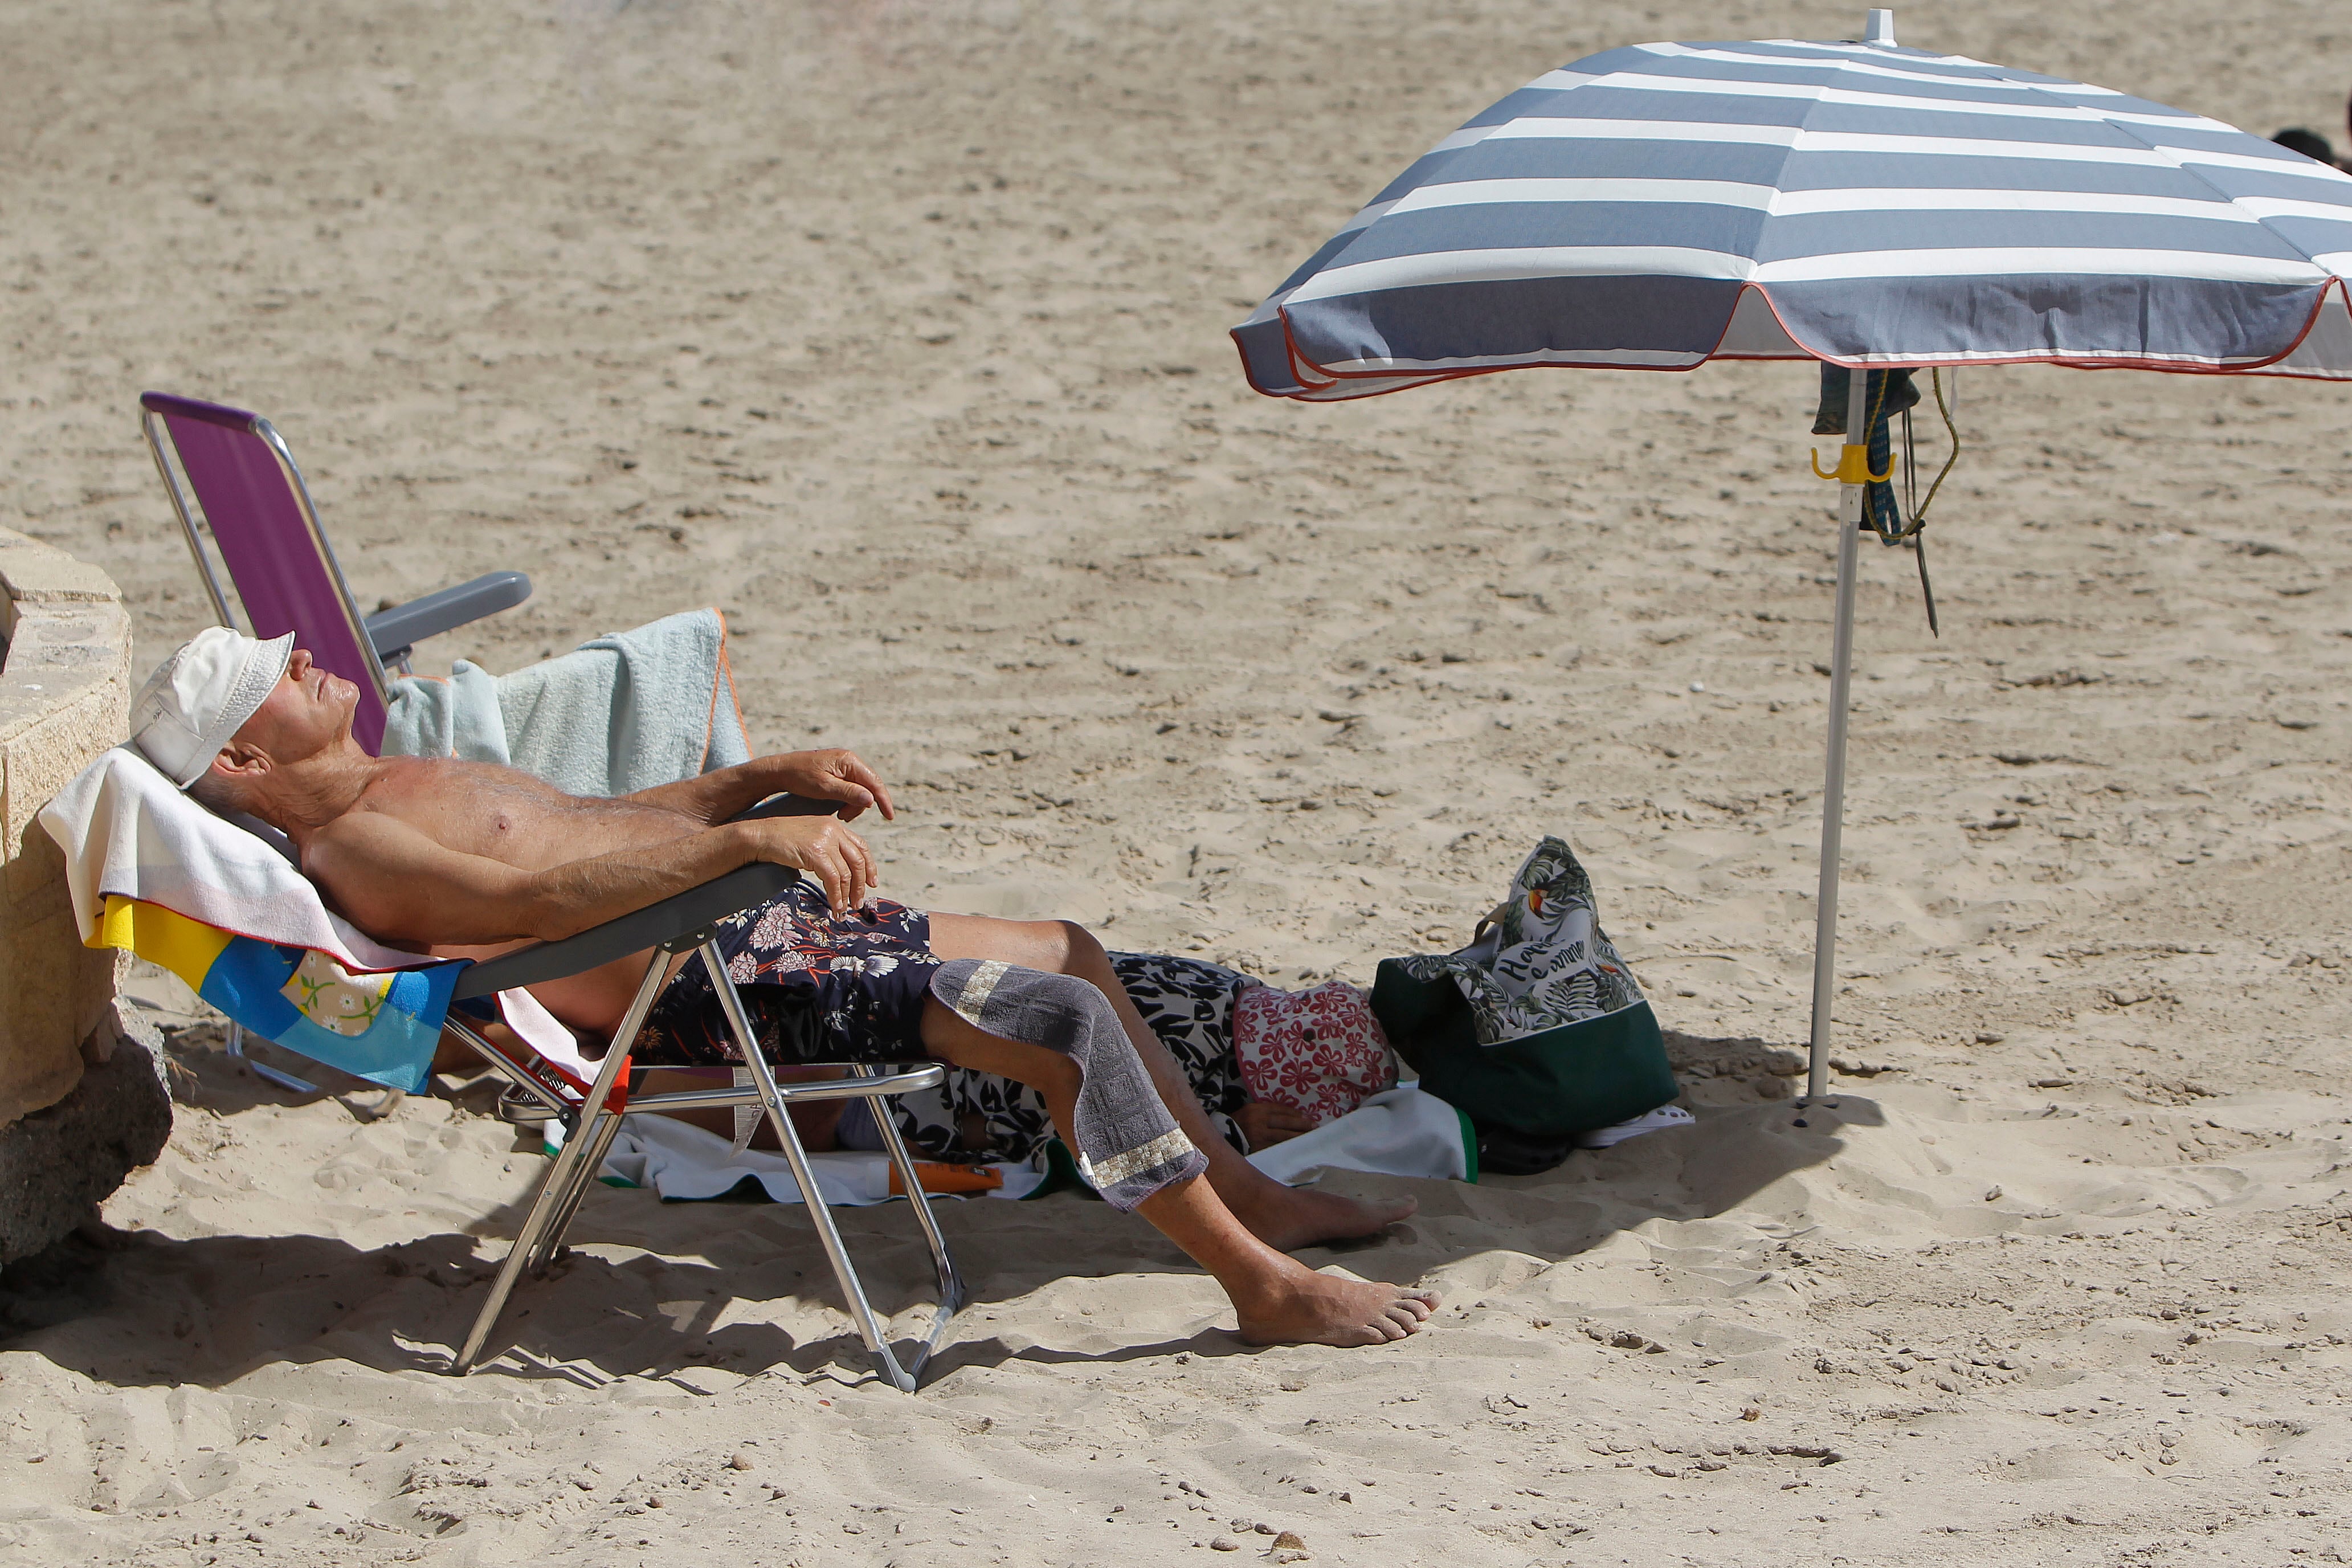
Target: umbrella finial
[1880, 30]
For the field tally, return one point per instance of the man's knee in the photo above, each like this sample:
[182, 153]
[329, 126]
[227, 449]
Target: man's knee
[1082, 952]
[1066, 1012]
[1078, 1007]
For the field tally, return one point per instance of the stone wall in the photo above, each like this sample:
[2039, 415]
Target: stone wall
[65, 697]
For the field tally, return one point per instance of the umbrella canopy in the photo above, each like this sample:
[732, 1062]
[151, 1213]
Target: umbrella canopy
[1655, 207]
[1860, 204]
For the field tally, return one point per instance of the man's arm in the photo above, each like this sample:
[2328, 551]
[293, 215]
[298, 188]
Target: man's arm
[399, 884]
[833, 774]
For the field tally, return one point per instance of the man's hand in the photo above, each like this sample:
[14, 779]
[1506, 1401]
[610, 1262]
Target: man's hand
[830, 776]
[822, 847]
[835, 775]
[1263, 1122]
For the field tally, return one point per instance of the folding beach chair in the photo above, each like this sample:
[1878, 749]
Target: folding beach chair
[223, 902]
[259, 512]
[591, 1113]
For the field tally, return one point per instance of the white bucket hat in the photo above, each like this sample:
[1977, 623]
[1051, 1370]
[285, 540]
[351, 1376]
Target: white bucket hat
[200, 697]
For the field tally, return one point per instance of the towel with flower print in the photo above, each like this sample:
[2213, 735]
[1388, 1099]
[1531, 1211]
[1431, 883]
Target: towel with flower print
[382, 1027]
[1319, 1051]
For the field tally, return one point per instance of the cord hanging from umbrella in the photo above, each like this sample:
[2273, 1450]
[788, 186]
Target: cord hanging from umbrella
[1892, 393]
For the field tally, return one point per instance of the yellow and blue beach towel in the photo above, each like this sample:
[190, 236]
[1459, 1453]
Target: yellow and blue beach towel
[227, 910]
[380, 1027]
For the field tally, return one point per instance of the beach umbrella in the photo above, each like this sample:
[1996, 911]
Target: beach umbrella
[1867, 206]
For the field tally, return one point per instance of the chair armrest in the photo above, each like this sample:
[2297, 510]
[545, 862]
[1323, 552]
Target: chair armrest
[395, 631]
[677, 924]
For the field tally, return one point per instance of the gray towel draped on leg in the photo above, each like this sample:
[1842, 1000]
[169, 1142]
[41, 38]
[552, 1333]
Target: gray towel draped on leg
[1129, 1145]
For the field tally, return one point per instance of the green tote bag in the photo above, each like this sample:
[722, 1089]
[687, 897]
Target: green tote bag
[1537, 1030]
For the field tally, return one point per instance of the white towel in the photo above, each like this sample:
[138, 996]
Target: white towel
[682, 1162]
[125, 829]
[1401, 1132]
[1656, 1121]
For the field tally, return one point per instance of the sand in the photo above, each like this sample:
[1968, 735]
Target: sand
[897, 331]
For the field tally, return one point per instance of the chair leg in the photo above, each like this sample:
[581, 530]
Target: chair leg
[534, 1226]
[235, 1046]
[950, 1282]
[602, 1130]
[836, 1253]
[553, 1192]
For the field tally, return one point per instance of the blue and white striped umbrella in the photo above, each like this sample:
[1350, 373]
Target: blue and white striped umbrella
[1659, 206]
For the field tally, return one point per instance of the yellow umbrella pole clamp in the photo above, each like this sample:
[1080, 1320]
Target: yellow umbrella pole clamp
[1854, 469]
[1852, 466]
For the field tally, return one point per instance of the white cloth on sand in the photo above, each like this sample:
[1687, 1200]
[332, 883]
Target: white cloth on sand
[682, 1162]
[623, 712]
[1400, 1132]
[1656, 1121]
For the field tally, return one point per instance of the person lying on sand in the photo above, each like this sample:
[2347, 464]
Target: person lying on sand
[470, 859]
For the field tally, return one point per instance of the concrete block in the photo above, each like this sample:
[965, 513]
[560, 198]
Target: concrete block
[34, 872]
[42, 750]
[64, 698]
[33, 574]
[58, 1164]
[56, 990]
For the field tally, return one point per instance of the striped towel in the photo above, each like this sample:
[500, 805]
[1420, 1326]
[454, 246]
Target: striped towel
[623, 712]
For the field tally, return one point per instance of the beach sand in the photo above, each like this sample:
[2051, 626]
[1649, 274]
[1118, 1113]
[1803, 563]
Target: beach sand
[897, 331]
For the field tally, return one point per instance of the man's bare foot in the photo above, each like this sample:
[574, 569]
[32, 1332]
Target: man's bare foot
[1288, 1217]
[1306, 1308]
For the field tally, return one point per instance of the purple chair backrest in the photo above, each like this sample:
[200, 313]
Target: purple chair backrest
[268, 535]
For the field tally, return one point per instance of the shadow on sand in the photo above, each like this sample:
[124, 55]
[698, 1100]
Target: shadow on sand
[141, 1310]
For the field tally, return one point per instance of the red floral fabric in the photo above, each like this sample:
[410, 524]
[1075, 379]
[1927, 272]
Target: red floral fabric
[1318, 1051]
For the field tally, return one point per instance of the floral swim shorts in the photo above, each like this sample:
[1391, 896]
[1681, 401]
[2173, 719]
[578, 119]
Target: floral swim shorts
[817, 987]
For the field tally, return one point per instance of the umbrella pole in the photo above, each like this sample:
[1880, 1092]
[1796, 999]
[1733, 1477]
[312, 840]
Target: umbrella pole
[1854, 461]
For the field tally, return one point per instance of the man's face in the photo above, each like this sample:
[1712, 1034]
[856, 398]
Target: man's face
[307, 712]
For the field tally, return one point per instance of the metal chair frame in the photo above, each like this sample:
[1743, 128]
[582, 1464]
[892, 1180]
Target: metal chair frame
[593, 1119]
[384, 640]
[151, 423]
[379, 643]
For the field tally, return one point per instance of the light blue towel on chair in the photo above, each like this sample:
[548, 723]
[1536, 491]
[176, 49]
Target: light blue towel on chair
[625, 712]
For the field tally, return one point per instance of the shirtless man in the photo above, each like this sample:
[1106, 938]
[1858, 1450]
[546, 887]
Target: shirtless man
[469, 859]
